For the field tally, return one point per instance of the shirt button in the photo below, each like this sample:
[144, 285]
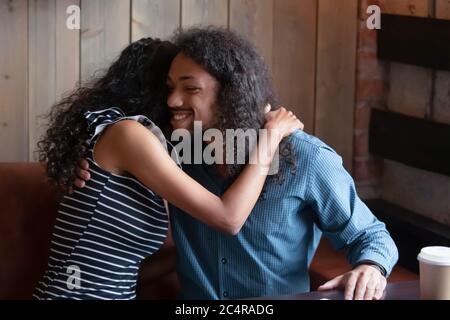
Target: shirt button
[224, 261]
[225, 294]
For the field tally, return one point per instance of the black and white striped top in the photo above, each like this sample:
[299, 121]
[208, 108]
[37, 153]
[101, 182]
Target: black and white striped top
[104, 230]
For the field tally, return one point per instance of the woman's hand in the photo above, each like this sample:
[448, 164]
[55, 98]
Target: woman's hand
[82, 173]
[281, 122]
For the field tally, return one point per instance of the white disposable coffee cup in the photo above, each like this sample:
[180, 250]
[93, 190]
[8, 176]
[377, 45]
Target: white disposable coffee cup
[434, 265]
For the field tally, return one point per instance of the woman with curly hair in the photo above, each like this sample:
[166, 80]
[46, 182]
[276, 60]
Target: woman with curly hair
[106, 229]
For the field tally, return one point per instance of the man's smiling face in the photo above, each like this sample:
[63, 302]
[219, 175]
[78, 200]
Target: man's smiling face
[192, 94]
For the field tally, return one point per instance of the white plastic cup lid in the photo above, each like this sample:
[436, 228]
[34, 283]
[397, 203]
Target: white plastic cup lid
[437, 255]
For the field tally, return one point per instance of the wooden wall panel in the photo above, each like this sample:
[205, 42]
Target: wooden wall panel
[420, 191]
[254, 19]
[409, 90]
[154, 18]
[13, 80]
[67, 51]
[417, 8]
[294, 56]
[53, 62]
[441, 101]
[406, 96]
[204, 12]
[41, 67]
[284, 32]
[105, 32]
[335, 84]
[411, 87]
[443, 9]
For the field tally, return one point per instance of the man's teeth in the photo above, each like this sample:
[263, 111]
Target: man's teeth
[180, 116]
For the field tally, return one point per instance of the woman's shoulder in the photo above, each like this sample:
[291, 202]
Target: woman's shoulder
[122, 143]
[127, 130]
[99, 120]
[123, 135]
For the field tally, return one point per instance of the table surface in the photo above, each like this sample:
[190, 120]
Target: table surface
[405, 290]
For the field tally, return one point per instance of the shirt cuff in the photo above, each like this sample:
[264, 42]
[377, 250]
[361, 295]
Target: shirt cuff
[372, 263]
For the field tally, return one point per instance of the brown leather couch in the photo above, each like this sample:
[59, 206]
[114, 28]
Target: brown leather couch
[28, 205]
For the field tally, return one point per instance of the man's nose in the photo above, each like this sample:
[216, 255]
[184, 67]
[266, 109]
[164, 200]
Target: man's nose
[174, 99]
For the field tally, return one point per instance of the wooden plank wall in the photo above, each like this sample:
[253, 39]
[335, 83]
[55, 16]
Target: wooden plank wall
[416, 8]
[295, 34]
[105, 33]
[67, 51]
[422, 93]
[306, 44]
[428, 96]
[13, 80]
[41, 68]
[155, 18]
[405, 96]
[53, 62]
[336, 72]
[254, 19]
[441, 101]
[204, 12]
[418, 190]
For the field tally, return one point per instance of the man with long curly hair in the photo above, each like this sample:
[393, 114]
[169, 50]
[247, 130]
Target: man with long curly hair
[219, 78]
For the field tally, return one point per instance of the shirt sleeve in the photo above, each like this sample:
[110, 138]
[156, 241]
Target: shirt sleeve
[343, 217]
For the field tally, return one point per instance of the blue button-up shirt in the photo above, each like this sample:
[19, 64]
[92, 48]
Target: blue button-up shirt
[272, 252]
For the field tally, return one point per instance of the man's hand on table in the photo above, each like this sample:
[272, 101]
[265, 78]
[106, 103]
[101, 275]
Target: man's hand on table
[365, 282]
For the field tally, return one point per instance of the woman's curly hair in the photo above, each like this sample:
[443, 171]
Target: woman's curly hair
[245, 83]
[135, 83]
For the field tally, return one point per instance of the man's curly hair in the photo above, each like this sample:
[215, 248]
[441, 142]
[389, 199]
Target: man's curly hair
[135, 83]
[245, 83]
